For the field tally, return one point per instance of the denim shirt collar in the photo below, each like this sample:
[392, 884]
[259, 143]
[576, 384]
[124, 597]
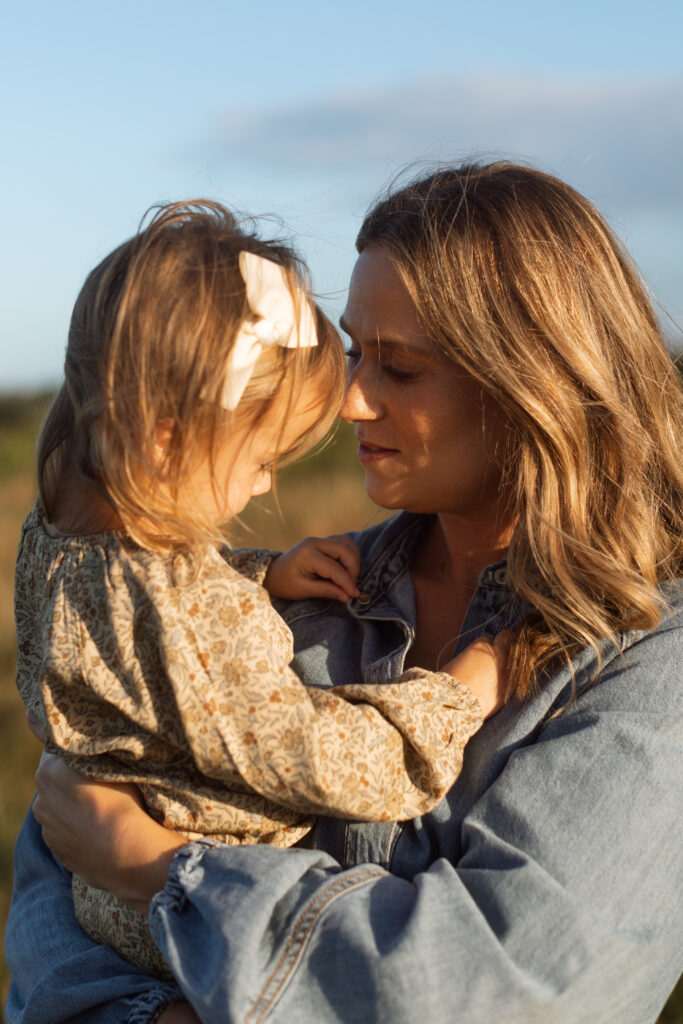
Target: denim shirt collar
[384, 581]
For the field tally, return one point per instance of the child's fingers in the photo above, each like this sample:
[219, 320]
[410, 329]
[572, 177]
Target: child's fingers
[329, 568]
[343, 549]
[325, 588]
[316, 567]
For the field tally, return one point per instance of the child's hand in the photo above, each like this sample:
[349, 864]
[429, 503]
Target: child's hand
[483, 668]
[316, 567]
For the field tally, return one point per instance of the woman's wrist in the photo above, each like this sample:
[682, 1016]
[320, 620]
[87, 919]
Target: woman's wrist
[146, 852]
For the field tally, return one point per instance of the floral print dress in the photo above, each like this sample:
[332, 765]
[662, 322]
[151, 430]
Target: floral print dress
[173, 672]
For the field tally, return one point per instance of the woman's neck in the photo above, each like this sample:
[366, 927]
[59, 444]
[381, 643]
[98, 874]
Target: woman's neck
[456, 549]
[445, 572]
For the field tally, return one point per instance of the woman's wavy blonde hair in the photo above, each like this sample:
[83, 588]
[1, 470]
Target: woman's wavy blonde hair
[519, 280]
[149, 341]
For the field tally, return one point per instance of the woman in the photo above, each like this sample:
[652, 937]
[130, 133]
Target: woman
[511, 390]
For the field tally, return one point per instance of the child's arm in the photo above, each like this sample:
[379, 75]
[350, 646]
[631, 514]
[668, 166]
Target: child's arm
[205, 675]
[69, 807]
[316, 567]
[483, 668]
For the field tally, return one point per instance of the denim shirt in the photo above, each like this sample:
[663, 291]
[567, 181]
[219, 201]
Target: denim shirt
[544, 887]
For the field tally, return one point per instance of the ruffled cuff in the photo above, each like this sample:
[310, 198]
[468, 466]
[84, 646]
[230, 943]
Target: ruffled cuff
[185, 861]
[468, 702]
[149, 1006]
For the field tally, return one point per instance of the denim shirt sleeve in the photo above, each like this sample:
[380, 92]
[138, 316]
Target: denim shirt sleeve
[563, 907]
[59, 974]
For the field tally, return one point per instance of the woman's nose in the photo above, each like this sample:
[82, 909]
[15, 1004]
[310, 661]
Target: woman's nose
[361, 399]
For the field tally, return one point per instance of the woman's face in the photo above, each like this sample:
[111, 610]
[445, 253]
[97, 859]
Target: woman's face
[428, 433]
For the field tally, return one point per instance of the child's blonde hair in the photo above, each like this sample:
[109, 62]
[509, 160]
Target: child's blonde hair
[149, 342]
[519, 280]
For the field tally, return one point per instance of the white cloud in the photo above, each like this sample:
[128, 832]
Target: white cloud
[622, 140]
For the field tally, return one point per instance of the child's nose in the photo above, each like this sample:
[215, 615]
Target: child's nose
[263, 483]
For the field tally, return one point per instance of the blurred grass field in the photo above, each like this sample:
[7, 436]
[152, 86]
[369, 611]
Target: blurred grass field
[321, 495]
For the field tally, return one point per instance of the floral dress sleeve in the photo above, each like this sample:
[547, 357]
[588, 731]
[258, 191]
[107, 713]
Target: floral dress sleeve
[183, 685]
[176, 676]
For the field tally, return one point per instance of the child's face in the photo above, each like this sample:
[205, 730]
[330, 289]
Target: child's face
[243, 466]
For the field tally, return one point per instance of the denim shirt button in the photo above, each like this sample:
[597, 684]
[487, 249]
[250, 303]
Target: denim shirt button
[363, 600]
[500, 576]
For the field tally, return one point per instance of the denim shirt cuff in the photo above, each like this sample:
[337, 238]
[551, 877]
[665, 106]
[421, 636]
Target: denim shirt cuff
[150, 1005]
[185, 861]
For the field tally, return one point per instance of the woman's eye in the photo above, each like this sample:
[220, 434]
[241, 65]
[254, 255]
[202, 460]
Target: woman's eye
[404, 375]
[353, 355]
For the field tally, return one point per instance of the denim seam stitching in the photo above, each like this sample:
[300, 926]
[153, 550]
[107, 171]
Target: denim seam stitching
[392, 839]
[299, 937]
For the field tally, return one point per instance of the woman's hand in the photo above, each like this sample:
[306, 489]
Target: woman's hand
[482, 667]
[316, 567]
[101, 832]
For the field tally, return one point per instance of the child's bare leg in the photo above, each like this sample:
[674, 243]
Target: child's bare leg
[179, 1013]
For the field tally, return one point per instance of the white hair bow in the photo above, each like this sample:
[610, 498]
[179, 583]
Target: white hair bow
[269, 299]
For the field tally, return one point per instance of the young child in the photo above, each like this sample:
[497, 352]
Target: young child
[149, 650]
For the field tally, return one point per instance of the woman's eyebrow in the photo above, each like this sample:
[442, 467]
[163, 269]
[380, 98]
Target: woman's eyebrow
[395, 343]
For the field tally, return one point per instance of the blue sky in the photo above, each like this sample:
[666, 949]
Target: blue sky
[304, 110]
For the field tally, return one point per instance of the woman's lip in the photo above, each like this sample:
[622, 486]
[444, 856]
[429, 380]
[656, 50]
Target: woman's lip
[372, 452]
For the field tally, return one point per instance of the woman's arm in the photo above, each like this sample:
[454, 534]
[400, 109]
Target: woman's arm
[130, 853]
[59, 975]
[203, 684]
[562, 908]
[89, 827]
